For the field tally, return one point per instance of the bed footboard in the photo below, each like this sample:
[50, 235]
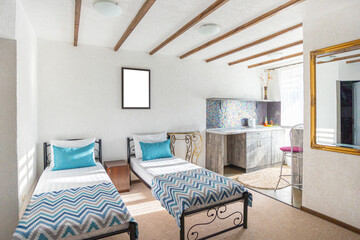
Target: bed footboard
[216, 211]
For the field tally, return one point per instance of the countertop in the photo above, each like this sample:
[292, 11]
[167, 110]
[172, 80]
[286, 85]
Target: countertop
[230, 131]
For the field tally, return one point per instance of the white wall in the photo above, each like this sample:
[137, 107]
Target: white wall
[26, 103]
[331, 180]
[79, 93]
[18, 114]
[7, 19]
[8, 158]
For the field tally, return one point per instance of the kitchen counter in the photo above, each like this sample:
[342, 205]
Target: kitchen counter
[249, 148]
[230, 131]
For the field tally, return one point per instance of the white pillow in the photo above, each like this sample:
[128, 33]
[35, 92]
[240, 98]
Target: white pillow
[150, 138]
[69, 144]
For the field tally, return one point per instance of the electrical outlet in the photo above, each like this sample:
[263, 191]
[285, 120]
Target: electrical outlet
[23, 198]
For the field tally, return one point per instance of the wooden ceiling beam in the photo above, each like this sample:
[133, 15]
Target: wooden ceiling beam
[242, 27]
[266, 52]
[216, 5]
[77, 21]
[264, 39]
[353, 61]
[142, 12]
[276, 60]
[340, 58]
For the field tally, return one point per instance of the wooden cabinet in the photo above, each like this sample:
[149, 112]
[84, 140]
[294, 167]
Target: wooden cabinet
[248, 150]
[119, 174]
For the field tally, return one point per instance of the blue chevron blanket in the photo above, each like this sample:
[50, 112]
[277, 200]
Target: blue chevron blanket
[73, 212]
[182, 190]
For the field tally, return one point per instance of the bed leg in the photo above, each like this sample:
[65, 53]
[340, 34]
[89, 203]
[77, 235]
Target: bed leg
[132, 231]
[246, 203]
[182, 230]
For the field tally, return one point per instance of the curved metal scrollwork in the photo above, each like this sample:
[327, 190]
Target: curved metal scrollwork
[97, 153]
[132, 149]
[193, 141]
[188, 141]
[48, 159]
[172, 144]
[218, 213]
[197, 146]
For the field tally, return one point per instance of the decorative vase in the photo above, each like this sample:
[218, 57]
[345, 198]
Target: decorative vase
[265, 93]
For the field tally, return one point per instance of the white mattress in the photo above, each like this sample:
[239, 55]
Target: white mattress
[71, 178]
[147, 170]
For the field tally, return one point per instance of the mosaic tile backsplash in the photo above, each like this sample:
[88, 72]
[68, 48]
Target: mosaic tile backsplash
[229, 113]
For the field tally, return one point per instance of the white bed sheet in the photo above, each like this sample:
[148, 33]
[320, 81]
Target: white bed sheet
[147, 170]
[71, 178]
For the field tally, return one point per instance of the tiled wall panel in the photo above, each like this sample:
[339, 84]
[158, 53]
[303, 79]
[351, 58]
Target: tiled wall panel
[229, 113]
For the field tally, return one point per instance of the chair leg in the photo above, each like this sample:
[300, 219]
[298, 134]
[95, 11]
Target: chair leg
[282, 164]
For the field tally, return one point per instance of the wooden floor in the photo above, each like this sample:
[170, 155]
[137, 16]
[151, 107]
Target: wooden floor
[282, 195]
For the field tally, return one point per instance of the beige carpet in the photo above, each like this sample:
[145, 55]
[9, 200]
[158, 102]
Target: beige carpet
[265, 178]
[268, 219]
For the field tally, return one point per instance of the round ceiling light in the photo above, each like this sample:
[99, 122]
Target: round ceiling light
[108, 8]
[209, 29]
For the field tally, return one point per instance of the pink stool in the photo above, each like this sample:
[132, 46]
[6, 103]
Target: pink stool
[288, 149]
[292, 151]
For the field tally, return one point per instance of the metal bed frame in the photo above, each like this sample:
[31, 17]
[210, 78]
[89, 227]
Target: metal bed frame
[98, 156]
[215, 211]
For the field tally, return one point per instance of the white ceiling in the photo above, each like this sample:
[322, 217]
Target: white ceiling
[54, 20]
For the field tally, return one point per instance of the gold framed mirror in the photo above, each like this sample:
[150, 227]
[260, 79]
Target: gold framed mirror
[335, 98]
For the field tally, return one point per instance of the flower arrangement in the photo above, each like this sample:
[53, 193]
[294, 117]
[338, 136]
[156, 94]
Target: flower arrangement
[268, 77]
[266, 83]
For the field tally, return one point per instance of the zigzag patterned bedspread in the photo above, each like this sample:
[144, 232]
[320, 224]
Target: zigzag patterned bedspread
[73, 212]
[182, 190]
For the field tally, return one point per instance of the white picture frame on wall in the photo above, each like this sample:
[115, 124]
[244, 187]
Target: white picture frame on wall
[135, 88]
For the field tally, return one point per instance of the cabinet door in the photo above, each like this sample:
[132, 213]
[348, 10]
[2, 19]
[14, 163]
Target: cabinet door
[264, 152]
[258, 149]
[120, 177]
[252, 155]
[278, 139]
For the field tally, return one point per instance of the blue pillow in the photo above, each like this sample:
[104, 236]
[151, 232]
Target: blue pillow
[157, 150]
[68, 158]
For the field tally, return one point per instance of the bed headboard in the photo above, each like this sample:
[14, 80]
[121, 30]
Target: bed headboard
[47, 153]
[193, 143]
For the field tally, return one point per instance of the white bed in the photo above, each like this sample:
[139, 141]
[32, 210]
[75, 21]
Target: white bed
[59, 185]
[186, 189]
[74, 178]
[147, 170]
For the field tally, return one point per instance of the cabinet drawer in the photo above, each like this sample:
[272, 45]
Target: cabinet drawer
[255, 135]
